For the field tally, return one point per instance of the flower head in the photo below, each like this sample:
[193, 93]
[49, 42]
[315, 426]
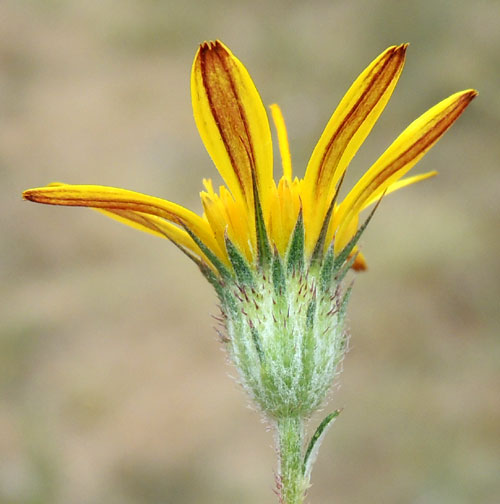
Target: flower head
[252, 212]
[277, 253]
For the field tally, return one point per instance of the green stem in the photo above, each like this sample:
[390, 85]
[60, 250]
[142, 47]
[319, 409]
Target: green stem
[291, 483]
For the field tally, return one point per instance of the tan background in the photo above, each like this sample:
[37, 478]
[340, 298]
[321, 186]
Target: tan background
[113, 387]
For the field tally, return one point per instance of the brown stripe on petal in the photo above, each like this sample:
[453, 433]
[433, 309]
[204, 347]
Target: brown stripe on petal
[226, 62]
[436, 129]
[51, 197]
[218, 74]
[379, 80]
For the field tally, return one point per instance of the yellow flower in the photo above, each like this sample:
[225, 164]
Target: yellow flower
[277, 254]
[251, 211]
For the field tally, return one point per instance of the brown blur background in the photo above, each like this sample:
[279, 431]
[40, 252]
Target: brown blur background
[113, 387]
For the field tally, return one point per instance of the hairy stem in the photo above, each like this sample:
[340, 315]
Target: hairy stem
[292, 483]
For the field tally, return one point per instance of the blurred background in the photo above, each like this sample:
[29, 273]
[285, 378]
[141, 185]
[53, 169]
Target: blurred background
[113, 386]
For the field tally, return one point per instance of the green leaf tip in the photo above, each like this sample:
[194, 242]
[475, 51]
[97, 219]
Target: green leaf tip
[295, 255]
[315, 442]
[320, 244]
[263, 248]
[278, 273]
[326, 274]
[346, 251]
[224, 272]
[240, 265]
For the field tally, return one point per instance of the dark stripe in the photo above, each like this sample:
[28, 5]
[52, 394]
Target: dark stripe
[398, 51]
[421, 145]
[222, 124]
[110, 205]
[249, 148]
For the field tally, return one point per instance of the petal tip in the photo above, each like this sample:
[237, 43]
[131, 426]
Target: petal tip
[213, 45]
[463, 98]
[471, 93]
[396, 51]
[207, 45]
[28, 195]
[400, 50]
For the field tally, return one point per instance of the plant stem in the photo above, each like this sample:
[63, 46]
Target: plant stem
[291, 483]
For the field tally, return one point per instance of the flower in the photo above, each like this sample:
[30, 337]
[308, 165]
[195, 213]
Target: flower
[233, 124]
[277, 253]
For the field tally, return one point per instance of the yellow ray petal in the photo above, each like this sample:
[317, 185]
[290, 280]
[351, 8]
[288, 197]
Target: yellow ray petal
[403, 154]
[285, 209]
[351, 122]
[341, 240]
[225, 215]
[238, 228]
[111, 198]
[215, 215]
[232, 122]
[135, 220]
[286, 158]
[399, 185]
[155, 226]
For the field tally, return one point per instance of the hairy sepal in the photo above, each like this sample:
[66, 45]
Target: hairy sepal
[286, 338]
[295, 255]
[342, 257]
[240, 265]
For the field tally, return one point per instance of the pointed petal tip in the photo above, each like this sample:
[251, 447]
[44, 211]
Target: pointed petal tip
[28, 195]
[463, 98]
[470, 93]
[35, 193]
[395, 53]
[400, 51]
[397, 50]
